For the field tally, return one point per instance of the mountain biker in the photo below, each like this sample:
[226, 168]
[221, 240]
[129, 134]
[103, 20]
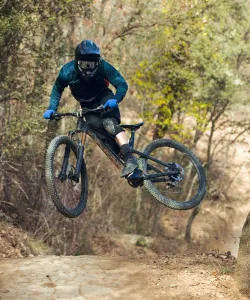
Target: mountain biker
[88, 77]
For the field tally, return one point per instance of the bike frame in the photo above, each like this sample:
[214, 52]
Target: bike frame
[117, 160]
[95, 136]
[84, 129]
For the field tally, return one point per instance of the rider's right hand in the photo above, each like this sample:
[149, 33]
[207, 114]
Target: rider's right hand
[48, 113]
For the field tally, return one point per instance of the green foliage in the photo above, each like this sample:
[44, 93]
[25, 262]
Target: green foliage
[195, 65]
[30, 42]
[226, 270]
[23, 128]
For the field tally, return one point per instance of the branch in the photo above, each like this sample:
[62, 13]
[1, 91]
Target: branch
[8, 99]
[11, 167]
[126, 31]
[230, 143]
[239, 134]
[22, 134]
[214, 117]
[9, 203]
[17, 183]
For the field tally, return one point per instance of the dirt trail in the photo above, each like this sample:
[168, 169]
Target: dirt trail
[107, 278]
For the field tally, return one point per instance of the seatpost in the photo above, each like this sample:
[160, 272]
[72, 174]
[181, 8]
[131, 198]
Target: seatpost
[132, 139]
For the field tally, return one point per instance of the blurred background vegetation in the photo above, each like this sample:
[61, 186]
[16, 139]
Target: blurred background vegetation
[187, 65]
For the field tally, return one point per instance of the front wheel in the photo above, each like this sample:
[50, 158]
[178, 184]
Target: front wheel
[68, 195]
[181, 191]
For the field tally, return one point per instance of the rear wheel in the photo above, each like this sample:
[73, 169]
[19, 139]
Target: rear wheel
[69, 196]
[183, 191]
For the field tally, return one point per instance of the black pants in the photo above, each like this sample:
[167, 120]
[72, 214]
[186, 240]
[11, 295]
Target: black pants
[96, 119]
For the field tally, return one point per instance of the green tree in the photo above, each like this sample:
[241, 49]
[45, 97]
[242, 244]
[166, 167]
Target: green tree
[199, 68]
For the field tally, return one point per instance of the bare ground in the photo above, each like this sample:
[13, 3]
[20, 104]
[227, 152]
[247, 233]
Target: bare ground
[94, 277]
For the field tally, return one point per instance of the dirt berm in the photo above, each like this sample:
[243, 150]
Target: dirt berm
[93, 277]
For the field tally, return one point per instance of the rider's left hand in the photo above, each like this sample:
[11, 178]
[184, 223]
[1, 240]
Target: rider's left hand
[112, 103]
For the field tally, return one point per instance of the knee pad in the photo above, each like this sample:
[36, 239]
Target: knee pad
[112, 126]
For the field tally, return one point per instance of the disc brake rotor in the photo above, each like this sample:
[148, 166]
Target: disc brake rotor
[174, 180]
[70, 172]
[174, 167]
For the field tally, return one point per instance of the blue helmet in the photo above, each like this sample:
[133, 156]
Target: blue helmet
[87, 48]
[87, 58]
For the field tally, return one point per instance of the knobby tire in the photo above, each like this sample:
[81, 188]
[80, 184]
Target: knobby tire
[50, 179]
[171, 203]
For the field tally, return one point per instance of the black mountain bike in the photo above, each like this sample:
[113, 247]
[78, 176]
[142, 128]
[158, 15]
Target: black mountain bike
[167, 169]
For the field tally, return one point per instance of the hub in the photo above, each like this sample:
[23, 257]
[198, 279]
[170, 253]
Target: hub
[174, 167]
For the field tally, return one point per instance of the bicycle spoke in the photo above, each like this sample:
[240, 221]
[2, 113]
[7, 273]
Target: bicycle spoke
[183, 186]
[68, 190]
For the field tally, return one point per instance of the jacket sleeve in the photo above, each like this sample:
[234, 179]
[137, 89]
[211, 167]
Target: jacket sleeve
[116, 79]
[60, 84]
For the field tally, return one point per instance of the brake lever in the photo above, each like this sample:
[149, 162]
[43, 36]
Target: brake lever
[100, 107]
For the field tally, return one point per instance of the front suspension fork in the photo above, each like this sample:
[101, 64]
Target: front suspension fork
[80, 153]
[63, 174]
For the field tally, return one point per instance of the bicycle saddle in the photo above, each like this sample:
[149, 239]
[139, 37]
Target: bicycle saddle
[132, 126]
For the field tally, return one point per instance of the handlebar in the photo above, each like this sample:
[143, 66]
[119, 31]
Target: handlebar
[79, 113]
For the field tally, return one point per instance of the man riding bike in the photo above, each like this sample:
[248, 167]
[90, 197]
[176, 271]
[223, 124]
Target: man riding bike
[88, 77]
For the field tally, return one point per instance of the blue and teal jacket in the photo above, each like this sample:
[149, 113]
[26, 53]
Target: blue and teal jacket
[86, 91]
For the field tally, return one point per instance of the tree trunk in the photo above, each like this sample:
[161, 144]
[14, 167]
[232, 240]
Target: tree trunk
[190, 223]
[138, 201]
[242, 274]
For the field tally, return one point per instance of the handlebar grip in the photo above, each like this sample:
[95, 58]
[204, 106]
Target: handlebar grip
[107, 110]
[55, 117]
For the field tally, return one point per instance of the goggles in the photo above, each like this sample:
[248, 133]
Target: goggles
[88, 65]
